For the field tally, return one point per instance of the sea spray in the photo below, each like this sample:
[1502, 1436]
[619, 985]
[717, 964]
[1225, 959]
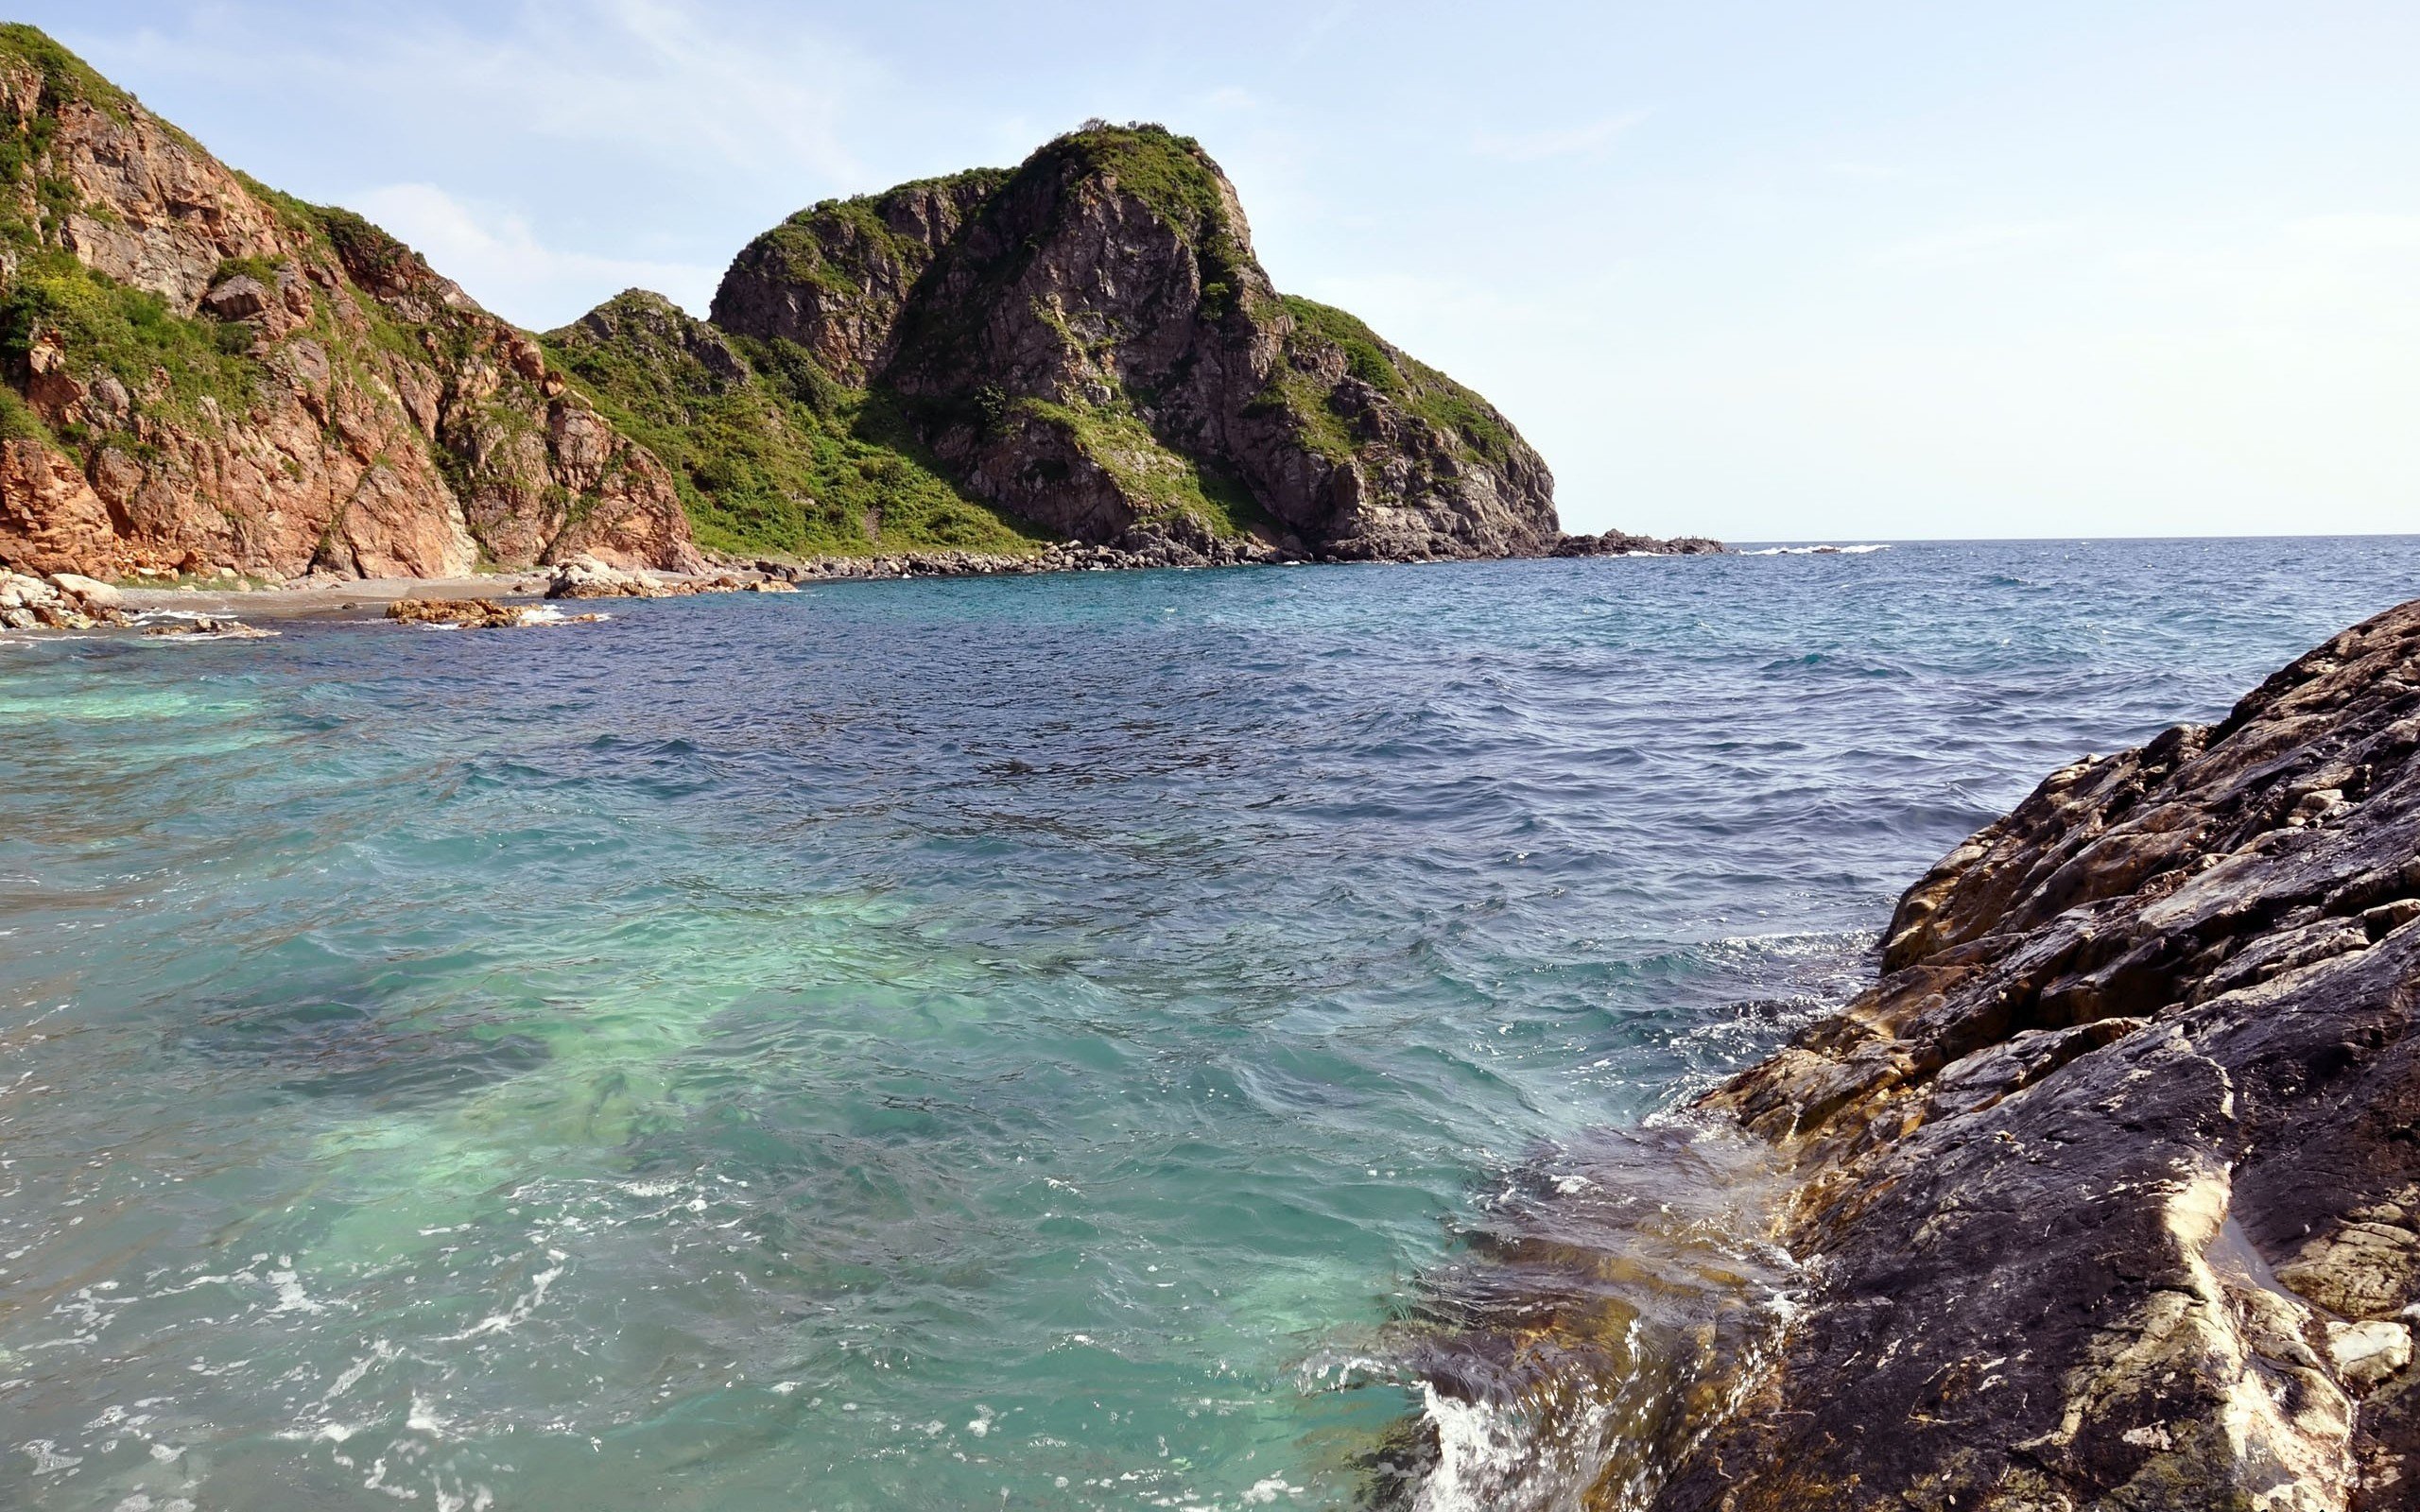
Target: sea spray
[1619, 1295]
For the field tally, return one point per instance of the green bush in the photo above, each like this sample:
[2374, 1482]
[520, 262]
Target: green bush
[784, 461]
[104, 325]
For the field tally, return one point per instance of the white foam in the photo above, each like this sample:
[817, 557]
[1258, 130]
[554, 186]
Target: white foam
[518, 1313]
[1816, 551]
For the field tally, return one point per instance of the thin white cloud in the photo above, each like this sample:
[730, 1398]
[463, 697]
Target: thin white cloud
[722, 85]
[495, 256]
[1960, 244]
[1569, 142]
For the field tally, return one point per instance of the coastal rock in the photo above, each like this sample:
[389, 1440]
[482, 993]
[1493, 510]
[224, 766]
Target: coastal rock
[67, 603]
[1622, 544]
[479, 614]
[2107, 1188]
[199, 366]
[93, 595]
[587, 577]
[207, 626]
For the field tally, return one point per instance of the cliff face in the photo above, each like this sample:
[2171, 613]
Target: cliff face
[1088, 345]
[201, 371]
[2110, 1181]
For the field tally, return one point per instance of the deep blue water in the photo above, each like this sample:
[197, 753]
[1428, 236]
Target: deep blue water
[944, 1045]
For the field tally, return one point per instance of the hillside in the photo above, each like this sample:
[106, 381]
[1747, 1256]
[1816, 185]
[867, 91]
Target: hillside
[1087, 346]
[202, 371]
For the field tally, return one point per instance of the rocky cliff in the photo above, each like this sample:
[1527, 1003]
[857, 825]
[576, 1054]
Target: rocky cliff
[1087, 347]
[2110, 1185]
[201, 371]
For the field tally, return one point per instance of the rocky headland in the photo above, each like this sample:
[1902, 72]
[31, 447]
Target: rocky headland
[2106, 1194]
[202, 375]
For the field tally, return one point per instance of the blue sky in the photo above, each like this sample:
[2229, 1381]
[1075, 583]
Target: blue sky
[1758, 270]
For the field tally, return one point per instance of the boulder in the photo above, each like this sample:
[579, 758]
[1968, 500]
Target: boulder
[587, 577]
[93, 592]
[241, 298]
[2108, 1187]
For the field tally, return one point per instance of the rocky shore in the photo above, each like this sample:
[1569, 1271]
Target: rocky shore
[65, 601]
[2105, 1194]
[2109, 1188]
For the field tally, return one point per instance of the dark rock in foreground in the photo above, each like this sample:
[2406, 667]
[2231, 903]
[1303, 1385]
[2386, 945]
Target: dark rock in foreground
[2110, 1184]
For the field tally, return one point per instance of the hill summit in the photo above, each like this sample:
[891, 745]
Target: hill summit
[1086, 345]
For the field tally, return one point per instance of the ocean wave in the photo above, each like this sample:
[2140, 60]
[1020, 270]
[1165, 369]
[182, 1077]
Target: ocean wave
[1817, 551]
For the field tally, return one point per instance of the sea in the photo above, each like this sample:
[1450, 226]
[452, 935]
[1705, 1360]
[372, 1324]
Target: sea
[1011, 1042]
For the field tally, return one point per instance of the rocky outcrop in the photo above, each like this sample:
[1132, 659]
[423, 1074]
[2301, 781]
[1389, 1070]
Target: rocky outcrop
[1084, 349]
[2105, 1196]
[204, 372]
[479, 614]
[1622, 544]
[66, 602]
[835, 279]
[2109, 1184]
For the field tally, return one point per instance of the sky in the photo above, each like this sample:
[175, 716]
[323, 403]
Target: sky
[1763, 271]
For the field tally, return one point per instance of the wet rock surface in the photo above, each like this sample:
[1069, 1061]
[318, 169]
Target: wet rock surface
[208, 627]
[479, 614]
[2109, 1188]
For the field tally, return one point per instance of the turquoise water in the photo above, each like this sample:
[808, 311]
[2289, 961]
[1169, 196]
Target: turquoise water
[945, 1044]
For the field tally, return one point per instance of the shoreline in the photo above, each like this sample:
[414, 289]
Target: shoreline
[301, 598]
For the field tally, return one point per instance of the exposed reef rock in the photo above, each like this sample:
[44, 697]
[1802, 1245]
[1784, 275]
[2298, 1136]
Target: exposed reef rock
[1622, 544]
[2105, 1196]
[2110, 1182]
[480, 614]
[201, 371]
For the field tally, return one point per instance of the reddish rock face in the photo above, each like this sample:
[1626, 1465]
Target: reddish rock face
[322, 398]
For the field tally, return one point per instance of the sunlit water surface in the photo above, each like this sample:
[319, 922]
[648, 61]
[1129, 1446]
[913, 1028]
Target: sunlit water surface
[944, 1045]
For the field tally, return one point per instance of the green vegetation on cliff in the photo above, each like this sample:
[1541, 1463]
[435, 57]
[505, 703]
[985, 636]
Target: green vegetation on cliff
[770, 454]
[1178, 182]
[1162, 481]
[1462, 415]
[64, 75]
[99, 325]
[830, 243]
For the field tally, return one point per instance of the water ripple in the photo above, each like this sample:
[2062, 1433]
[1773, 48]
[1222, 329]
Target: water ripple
[944, 1044]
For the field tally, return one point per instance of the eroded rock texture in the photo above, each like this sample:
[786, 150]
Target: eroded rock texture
[202, 371]
[2112, 1182]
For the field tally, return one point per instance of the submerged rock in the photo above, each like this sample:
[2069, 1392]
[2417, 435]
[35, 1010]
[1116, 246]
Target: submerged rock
[2109, 1185]
[209, 628]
